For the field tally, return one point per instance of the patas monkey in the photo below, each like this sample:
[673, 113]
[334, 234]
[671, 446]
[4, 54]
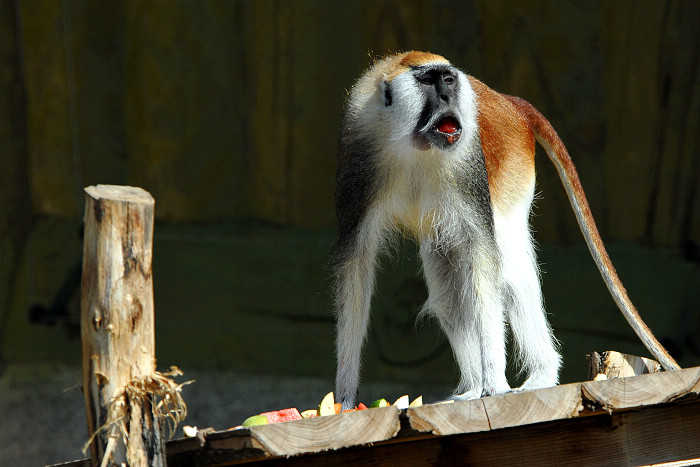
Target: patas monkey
[427, 150]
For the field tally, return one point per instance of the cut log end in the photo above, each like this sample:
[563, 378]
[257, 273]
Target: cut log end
[120, 193]
[611, 364]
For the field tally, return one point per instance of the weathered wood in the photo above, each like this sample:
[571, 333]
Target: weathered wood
[445, 419]
[524, 408]
[611, 364]
[645, 419]
[652, 436]
[117, 325]
[322, 433]
[644, 390]
[220, 448]
[490, 413]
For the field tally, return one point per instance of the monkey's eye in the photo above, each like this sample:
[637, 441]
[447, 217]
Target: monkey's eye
[448, 79]
[426, 78]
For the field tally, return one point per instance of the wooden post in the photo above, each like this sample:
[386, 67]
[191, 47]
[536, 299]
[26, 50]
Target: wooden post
[117, 327]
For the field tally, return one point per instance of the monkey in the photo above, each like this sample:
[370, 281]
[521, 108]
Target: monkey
[427, 151]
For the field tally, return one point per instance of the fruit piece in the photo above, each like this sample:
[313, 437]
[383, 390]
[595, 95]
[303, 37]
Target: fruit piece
[379, 403]
[417, 402]
[448, 125]
[401, 402]
[327, 406]
[255, 420]
[309, 413]
[284, 415]
[338, 407]
[361, 406]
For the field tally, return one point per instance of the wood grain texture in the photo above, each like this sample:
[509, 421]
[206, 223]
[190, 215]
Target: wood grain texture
[221, 448]
[330, 432]
[490, 413]
[445, 419]
[613, 364]
[644, 390]
[651, 436]
[117, 323]
[648, 419]
[524, 408]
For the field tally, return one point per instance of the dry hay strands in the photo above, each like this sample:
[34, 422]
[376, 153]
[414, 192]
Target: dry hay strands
[158, 389]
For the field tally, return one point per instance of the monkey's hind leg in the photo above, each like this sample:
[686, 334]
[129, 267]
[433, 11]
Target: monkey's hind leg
[465, 297]
[535, 344]
[355, 274]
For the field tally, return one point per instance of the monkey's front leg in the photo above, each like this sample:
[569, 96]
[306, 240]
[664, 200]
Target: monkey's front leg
[354, 285]
[465, 295]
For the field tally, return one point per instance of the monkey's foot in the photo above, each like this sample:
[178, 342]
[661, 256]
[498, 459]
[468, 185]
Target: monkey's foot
[545, 380]
[500, 388]
[467, 396]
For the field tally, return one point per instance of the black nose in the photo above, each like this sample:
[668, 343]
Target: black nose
[443, 91]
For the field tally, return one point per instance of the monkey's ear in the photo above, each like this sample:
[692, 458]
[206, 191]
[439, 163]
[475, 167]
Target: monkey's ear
[386, 90]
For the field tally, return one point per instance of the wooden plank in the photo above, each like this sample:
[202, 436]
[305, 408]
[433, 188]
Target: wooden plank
[490, 413]
[327, 433]
[446, 419]
[287, 439]
[653, 435]
[524, 408]
[646, 419]
[221, 448]
[643, 390]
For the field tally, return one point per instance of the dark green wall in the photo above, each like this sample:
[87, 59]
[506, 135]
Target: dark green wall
[229, 109]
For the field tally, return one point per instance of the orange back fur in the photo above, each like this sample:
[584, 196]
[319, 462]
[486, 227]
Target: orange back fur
[508, 145]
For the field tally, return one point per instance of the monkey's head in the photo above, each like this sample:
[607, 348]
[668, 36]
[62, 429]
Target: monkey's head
[415, 97]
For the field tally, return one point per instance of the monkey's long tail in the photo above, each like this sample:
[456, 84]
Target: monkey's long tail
[548, 138]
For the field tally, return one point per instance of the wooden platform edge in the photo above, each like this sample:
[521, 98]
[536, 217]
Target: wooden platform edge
[322, 433]
[389, 425]
[643, 390]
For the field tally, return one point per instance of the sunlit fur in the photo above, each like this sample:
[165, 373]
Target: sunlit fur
[467, 204]
[477, 256]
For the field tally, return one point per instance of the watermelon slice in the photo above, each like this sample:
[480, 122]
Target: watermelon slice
[284, 415]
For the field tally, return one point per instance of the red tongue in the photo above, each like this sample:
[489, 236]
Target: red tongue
[447, 125]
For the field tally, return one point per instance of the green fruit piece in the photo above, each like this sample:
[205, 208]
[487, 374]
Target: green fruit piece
[309, 413]
[379, 403]
[255, 420]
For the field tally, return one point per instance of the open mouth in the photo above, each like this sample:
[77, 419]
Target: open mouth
[449, 128]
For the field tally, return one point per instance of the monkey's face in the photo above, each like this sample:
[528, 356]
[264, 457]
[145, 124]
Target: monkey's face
[426, 100]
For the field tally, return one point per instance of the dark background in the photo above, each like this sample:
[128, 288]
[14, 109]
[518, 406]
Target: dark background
[227, 113]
